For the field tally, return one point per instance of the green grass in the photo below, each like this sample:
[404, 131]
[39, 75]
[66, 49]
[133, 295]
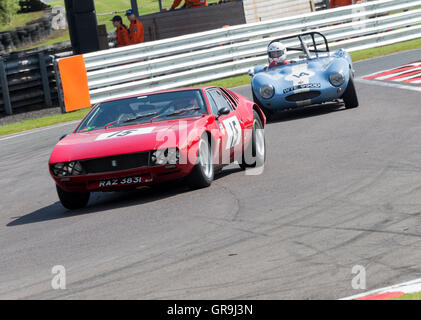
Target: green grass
[56, 36]
[106, 6]
[42, 122]
[101, 6]
[228, 82]
[411, 296]
[382, 51]
[22, 19]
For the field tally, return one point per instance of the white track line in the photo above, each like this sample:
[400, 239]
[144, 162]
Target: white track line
[395, 74]
[388, 84]
[406, 287]
[396, 68]
[38, 130]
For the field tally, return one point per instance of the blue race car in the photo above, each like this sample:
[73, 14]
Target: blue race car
[315, 77]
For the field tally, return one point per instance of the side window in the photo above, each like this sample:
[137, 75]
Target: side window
[220, 99]
[229, 98]
[212, 104]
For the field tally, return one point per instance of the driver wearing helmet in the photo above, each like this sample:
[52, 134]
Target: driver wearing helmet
[277, 53]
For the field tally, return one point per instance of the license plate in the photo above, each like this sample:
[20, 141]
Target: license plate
[120, 181]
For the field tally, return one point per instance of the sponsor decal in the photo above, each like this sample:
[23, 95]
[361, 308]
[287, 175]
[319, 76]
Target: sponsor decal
[125, 133]
[300, 74]
[303, 86]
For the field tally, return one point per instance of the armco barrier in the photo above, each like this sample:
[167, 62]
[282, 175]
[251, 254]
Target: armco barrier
[225, 52]
[26, 80]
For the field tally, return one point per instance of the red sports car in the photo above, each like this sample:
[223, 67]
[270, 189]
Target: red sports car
[151, 138]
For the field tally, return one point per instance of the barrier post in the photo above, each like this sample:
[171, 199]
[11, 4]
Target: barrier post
[59, 87]
[44, 79]
[5, 88]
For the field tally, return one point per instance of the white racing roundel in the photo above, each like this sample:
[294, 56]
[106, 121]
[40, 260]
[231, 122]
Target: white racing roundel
[233, 127]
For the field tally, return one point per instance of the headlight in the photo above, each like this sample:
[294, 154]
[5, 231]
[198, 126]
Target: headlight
[267, 91]
[337, 79]
[73, 168]
[165, 156]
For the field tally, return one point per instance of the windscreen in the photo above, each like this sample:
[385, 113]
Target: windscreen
[146, 108]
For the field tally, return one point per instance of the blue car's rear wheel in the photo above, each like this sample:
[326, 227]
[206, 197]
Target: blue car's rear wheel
[350, 95]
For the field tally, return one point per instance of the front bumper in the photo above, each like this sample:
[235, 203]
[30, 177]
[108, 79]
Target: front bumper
[303, 97]
[148, 175]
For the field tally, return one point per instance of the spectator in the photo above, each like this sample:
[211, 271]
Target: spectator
[121, 32]
[189, 4]
[136, 31]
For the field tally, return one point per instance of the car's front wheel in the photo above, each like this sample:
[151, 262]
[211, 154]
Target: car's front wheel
[203, 172]
[73, 200]
[255, 154]
[350, 95]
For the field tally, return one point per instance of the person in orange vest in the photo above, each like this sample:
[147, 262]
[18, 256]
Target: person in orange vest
[189, 4]
[121, 32]
[136, 30]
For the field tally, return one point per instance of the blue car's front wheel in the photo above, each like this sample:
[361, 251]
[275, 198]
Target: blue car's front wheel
[350, 95]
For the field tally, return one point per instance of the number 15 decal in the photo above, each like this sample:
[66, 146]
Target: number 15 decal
[233, 127]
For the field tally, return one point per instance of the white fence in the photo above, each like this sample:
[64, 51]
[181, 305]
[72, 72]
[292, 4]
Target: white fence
[225, 52]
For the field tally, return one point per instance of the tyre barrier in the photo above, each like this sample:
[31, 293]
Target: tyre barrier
[26, 35]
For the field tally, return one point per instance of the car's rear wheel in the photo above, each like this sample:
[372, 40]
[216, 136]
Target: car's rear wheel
[73, 200]
[255, 154]
[350, 95]
[268, 113]
[203, 172]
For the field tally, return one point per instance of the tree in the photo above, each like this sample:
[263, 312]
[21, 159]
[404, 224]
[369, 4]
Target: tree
[8, 9]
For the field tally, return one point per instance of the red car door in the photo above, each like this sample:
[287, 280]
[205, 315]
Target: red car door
[231, 126]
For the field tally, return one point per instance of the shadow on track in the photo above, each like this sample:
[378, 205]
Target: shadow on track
[306, 112]
[101, 202]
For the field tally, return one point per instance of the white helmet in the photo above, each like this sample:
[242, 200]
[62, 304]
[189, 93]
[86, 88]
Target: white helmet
[277, 52]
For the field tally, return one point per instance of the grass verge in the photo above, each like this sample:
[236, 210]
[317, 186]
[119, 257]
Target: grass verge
[228, 82]
[410, 296]
[42, 122]
[21, 19]
[120, 6]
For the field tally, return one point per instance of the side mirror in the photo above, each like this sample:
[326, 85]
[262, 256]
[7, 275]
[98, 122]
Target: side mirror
[63, 136]
[251, 72]
[223, 111]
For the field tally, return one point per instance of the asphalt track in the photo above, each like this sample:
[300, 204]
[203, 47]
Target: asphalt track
[340, 188]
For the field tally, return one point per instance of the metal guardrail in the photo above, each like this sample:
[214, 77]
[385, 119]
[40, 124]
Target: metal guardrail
[26, 79]
[225, 52]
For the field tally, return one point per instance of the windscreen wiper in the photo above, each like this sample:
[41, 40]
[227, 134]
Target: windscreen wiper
[179, 111]
[140, 116]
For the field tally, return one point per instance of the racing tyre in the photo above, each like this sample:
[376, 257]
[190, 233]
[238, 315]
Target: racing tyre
[350, 95]
[73, 200]
[268, 113]
[256, 148]
[203, 172]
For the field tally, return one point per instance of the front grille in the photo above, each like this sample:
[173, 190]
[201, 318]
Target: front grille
[303, 96]
[116, 163]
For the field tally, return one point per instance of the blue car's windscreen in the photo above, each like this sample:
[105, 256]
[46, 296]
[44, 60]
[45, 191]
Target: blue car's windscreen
[146, 108]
